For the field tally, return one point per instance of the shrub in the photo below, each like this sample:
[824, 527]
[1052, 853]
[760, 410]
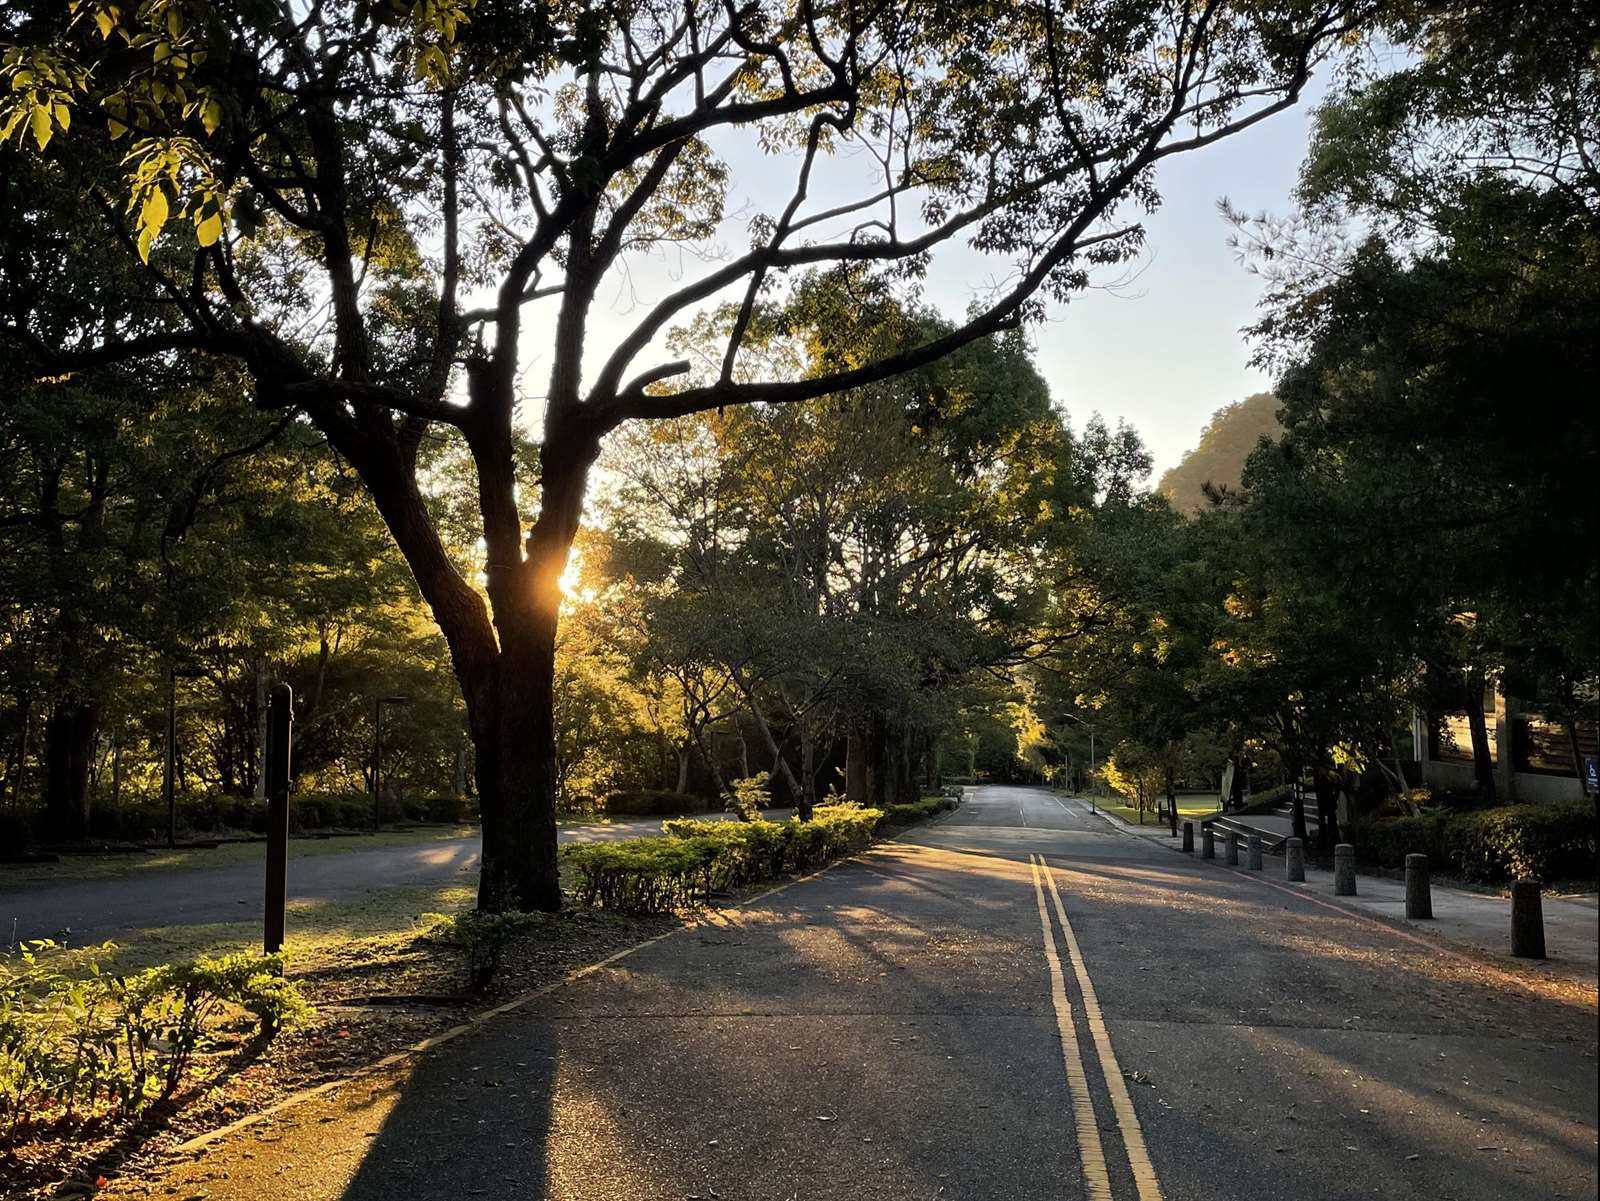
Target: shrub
[1492, 846]
[450, 809]
[642, 875]
[73, 1043]
[653, 802]
[748, 796]
[919, 811]
[16, 834]
[1514, 842]
[482, 939]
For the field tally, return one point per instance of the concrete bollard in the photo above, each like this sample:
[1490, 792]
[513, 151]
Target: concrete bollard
[1419, 895]
[1208, 843]
[1254, 844]
[1344, 870]
[1233, 848]
[1188, 836]
[1527, 920]
[1294, 861]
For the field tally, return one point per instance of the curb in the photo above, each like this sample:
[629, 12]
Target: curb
[201, 1141]
[1476, 958]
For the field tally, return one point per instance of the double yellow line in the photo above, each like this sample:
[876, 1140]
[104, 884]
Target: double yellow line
[1091, 1154]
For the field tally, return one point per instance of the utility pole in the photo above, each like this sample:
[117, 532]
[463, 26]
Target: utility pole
[275, 767]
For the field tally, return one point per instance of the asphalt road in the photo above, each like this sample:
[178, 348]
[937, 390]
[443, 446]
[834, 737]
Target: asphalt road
[98, 909]
[918, 1023]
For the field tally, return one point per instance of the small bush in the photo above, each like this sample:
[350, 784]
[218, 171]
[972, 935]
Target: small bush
[482, 938]
[450, 809]
[653, 802]
[919, 811]
[73, 1044]
[16, 834]
[1491, 846]
[642, 875]
[747, 797]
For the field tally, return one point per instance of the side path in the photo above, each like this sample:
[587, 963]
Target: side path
[985, 1011]
[1473, 920]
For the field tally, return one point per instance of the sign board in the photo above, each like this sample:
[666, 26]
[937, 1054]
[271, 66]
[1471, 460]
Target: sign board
[1591, 774]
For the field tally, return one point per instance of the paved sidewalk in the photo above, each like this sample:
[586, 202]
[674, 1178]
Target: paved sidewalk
[1479, 921]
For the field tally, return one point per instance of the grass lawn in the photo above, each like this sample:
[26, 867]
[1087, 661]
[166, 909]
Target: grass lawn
[70, 869]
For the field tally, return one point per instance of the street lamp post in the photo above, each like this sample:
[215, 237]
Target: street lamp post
[377, 754]
[1092, 806]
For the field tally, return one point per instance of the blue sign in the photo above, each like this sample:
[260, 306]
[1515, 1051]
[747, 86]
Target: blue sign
[1591, 774]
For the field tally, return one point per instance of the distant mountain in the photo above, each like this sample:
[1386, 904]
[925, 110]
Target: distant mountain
[1225, 443]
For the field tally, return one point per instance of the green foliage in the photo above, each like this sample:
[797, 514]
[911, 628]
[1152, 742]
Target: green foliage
[1494, 846]
[653, 802]
[77, 1042]
[919, 811]
[642, 875]
[746, 797]
[482, 939]
[701, 856]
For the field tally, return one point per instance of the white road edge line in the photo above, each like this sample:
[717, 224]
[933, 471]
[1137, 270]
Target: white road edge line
[1091, 1153]
[1144, 1172]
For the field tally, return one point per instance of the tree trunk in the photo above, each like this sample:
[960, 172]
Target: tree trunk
[1324, 785]
[808, 768]
[683, 768]
[258, 758]
[1482, 765]
[68, 747]
[780, 765]
[511, 716]
[1172, 804]
[855, 763]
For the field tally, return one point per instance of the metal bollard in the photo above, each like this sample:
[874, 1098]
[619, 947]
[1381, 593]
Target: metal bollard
[1527, 920]
[1208, 843]
[1254, 844]
[1233, 848]
[1419, 896]
[1188, 836]
[1294, 861]
[1344, 870]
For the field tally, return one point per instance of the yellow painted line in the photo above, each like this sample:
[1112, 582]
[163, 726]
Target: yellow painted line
[1091, 1154]
[1144, 1172]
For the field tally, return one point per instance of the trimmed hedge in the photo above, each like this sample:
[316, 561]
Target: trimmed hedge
[919, 811]
[1491, 846]
[700, 856]
[642, 875]
[654, 802]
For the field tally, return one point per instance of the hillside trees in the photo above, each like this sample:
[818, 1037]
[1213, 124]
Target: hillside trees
[415, 159]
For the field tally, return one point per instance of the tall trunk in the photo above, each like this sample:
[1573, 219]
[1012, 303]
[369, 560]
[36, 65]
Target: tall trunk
[855, 763]
[780, 765]
[258, 758]
[116, 772]
[1326, 788]
[68, 747]
[1172, 804]
[808, 768]
[683, 768]
[1482, 765]
[511, 716]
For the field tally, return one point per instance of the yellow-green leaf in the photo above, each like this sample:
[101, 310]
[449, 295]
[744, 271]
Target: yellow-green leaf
[117, 128]
[63, 116]
[41, 125]
[209, 230]
[153, 215]
[210, 115]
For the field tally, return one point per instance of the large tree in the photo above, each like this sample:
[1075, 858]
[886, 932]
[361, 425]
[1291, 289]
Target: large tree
[418, 189]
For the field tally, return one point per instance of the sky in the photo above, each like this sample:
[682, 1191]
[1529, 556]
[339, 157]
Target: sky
[1160, 347]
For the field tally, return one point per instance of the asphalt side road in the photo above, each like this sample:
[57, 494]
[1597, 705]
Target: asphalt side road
[94, 910]
[1016, 1002]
